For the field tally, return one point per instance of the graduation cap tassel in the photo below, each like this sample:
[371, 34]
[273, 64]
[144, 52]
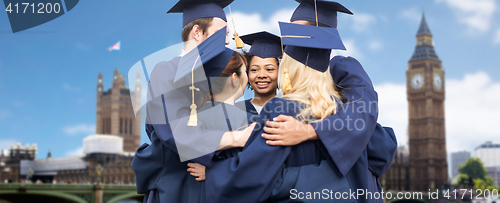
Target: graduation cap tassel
[193, 116]
[287, 85]
[237, 39]
[316, 12]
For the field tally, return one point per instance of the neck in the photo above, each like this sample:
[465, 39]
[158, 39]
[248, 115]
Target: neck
[261, 99]
[189, 45]
[224, 99]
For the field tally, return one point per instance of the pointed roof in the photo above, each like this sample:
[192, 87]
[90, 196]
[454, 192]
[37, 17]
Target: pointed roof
[424, 28]
[424, 51]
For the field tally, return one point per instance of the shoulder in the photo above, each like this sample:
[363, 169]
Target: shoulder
[173, 63]
[347, 71]
[164, 70]
[342, 60]
[282, 106]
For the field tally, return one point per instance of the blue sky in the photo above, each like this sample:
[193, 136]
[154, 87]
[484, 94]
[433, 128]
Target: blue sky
[48, 74]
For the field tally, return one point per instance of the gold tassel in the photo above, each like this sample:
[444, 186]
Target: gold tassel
[287, 85]
[193, 117]
[239, 42]
[237, 39]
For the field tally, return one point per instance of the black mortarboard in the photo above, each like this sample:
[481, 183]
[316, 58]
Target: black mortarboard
[195, 9]
[264, 44]
[310, 45]
[327, 11]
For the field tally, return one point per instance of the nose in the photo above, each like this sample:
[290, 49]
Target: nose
[262, 74]
[227, 40]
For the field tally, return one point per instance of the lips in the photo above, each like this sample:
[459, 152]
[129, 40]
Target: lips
[262, 85]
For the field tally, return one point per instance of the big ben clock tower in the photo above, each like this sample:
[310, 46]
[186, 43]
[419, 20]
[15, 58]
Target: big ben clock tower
[426, 128]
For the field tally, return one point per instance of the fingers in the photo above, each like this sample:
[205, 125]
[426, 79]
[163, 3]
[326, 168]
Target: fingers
[269, 130]
[271, 137]
[282, 118]
[201, 178]
[193, 170]
[274, 124]
[275, 143]
[250, 127]
[195, 165]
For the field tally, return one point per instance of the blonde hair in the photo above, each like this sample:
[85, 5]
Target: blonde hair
[316, 90]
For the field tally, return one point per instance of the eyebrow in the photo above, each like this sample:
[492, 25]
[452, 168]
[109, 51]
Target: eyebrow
[269, 64]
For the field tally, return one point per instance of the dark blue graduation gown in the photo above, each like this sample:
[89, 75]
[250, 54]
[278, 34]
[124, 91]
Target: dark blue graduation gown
[247, 106]
[262, 173]
[347, 133]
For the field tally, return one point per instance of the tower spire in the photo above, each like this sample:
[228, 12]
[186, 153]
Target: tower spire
[424, 28]
[425, 44]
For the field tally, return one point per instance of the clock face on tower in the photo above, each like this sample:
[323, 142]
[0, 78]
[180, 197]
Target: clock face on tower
[438, 82]
[417, 81]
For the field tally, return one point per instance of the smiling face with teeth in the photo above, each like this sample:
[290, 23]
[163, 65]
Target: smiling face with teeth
[263, 75]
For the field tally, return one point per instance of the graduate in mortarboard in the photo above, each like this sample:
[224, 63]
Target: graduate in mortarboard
[177, 135]
[263, 62]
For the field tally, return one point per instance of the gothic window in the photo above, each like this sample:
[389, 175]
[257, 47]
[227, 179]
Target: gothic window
[126, 126]
[130, 126]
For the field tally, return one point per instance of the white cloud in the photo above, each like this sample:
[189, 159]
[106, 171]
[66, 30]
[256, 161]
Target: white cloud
[471, 109]
[477, 14]
[5, 144]
[394, 109]
[412, 13]
[75, 152]
[375, 45]
[497, 36]
[79, 129]
[71, 88]
[352, 50]
[362, 21]
[249, 23]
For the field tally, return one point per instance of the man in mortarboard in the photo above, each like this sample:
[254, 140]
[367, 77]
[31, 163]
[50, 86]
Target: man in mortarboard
[351, 145]
[160, 168]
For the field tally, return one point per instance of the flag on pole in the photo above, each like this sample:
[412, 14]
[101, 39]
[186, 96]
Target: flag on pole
[115, 47]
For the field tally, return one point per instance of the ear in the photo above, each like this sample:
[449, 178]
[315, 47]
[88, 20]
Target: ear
[234, 80]
[196, 33]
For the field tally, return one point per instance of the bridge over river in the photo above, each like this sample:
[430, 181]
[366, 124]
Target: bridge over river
[68, 193]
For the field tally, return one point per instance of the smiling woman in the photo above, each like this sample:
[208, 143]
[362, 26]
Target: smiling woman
[263, 62]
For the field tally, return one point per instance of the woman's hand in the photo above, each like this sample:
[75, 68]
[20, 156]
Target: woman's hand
[245, 134]
[235, 139]
[288, 131]
[197, 170]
